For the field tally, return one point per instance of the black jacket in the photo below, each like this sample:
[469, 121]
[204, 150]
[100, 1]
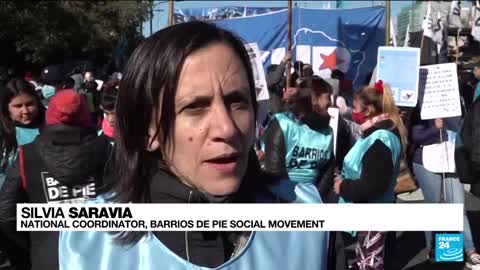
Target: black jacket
[209, 249]
[75, 158]
[467, 90]
[467, 155]
[108, 172]
[377, 170]
[275, 153]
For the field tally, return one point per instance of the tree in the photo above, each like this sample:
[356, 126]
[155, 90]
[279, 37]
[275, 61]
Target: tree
[42, 32]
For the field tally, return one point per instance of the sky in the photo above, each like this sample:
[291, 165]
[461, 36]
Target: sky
[160, 18]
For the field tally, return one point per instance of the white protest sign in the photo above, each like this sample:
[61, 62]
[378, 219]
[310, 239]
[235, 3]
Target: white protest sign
[440, 157]
[441, 97]
[403, 82]
[334, 115]
[258, 72]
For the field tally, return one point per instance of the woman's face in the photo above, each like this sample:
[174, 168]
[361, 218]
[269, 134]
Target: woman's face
[323, 102]
[476, 72]
[360, 107]
[109, 116]
[214, 121]
[23, 109]
[357, 105]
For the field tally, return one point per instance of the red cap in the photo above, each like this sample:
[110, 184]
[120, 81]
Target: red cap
[67, 107]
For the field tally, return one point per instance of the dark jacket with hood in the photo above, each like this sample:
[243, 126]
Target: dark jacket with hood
[467, 154]
[209, 248]
[64, 164]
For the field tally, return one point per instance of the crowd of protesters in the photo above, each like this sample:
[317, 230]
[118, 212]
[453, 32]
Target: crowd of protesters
[55, 142]
[178, 126]
[379, 146]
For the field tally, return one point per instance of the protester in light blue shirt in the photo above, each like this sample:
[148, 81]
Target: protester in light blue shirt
[185, 129]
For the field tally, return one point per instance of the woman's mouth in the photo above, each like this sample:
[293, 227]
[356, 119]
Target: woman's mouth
[224, 163]
[26, 119]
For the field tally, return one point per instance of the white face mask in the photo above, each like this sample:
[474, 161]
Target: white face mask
[48, 91]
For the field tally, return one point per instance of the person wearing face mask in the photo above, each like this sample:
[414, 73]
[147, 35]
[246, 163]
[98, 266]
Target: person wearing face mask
[299, 142]
[108, 99]
[371, 167]
[185, 129]
[54, 79]
[22, 115]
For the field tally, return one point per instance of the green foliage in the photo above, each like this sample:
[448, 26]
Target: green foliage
[44, 31]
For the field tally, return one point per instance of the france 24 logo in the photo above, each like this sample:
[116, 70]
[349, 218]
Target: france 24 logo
[449, 247]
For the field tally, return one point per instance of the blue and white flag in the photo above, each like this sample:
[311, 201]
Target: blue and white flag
[344, 39]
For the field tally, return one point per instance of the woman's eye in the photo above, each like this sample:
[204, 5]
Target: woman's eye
[237, 102]
[240, 104]
[196, 107]
[194, 110]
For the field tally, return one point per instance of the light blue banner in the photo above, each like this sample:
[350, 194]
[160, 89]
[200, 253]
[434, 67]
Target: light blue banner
[399, 67]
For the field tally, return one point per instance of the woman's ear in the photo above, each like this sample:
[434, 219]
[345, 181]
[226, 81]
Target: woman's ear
[369, 111]
[153, 144]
